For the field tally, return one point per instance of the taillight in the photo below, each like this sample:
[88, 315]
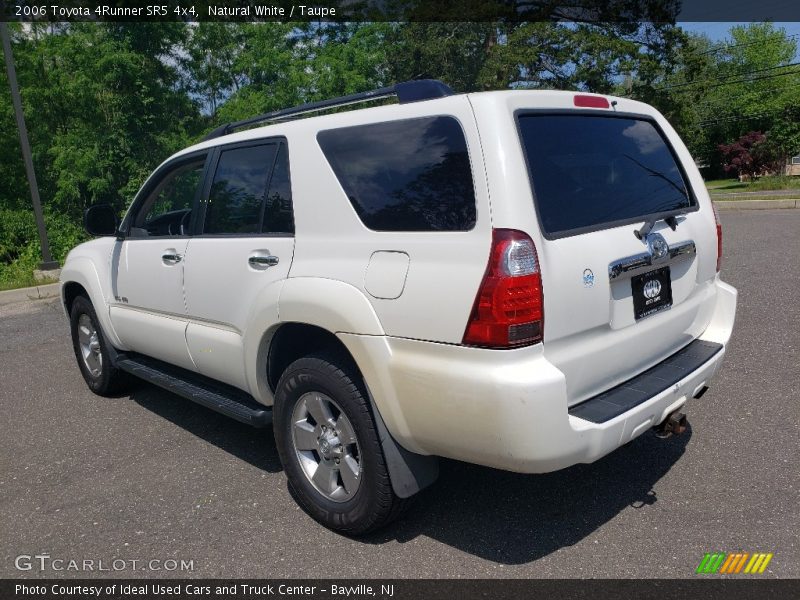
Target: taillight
[719, 237]
[509, 307]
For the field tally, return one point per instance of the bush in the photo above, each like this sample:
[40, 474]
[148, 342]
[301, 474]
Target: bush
[20, 251]
[743, 156]
[19, 273]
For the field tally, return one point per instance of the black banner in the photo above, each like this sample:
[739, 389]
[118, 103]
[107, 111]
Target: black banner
[668, 11]
[505, 589]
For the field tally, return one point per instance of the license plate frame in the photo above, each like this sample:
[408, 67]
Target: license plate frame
[656, 298]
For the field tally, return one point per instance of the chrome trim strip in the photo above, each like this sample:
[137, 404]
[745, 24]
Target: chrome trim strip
[682, 249]
[631, 265]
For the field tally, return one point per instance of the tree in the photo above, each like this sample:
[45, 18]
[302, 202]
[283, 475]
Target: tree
[720, 91]
[106, 102]
[783, 140]
[589, 56]
[108, 107]
[346, 58]
[104, 105]
[212, 53]
[748, 156]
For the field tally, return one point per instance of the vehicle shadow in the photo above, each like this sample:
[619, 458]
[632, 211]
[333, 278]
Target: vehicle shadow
[515, 519]
[504, 517]
[254, 446]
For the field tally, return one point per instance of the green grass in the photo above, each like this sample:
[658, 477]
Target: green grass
[732, 186]
[24, 282]
[724, 184]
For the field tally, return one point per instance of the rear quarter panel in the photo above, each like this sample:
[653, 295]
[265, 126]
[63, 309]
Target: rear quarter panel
[445, 268]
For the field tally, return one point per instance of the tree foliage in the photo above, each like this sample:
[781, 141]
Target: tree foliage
[745, 157]
[720, 91]
[106, 102]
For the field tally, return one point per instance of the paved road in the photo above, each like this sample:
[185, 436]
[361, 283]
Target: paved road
[152, 476]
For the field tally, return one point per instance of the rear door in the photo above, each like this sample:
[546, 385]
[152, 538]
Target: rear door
[615, 304]
[244, 243]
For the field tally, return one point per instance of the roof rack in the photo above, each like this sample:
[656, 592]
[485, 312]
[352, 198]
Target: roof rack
[407, 91]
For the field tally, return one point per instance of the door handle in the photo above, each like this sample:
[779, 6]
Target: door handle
[171, 258]
[263, 262]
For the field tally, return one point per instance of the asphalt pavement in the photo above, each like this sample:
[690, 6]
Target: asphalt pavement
[152, 478]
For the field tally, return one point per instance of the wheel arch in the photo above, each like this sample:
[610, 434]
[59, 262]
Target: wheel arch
[80, 277]
[291, 341]
[69, 291]
[409, 472]
[325, 304]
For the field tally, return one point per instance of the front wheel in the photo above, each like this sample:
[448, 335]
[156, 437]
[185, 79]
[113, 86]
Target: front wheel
[92, 350]
[329, 446]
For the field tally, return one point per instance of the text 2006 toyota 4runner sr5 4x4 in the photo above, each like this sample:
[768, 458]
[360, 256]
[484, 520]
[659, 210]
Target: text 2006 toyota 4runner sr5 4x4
[519, 279]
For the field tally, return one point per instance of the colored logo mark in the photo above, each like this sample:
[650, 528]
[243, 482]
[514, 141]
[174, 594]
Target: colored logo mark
[739, 562]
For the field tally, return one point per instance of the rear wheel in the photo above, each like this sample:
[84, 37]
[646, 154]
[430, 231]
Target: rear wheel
[92, 350]
[326, 446]
[329, 446]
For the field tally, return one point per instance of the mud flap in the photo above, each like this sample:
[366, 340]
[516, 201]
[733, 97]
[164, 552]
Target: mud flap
[409, 472]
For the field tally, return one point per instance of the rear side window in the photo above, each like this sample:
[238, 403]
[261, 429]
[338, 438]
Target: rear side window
[589, 172]
[409, 175]
[250, 192]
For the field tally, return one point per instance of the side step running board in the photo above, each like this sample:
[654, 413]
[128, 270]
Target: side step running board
[217, 396]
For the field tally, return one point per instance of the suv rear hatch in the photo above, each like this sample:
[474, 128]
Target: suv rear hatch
[627, 255]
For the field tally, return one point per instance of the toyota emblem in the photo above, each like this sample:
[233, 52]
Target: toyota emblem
[658, 247]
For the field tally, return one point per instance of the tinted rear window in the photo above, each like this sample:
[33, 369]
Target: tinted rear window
[238, 190]
[278, 217]
[589, 171]
[409, 175]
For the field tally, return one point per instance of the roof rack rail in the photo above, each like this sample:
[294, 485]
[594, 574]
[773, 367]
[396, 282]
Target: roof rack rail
[407, 91]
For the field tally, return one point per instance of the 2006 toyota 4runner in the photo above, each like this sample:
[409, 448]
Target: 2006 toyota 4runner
[519, 279]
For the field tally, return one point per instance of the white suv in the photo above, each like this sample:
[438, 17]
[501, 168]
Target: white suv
[519, 279]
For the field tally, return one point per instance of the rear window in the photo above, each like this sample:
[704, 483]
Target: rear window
[588, 172]
[251, 192]
[238, 190]
[408, 175]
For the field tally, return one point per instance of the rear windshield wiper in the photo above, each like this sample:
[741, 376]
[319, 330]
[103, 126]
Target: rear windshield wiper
[672, 221]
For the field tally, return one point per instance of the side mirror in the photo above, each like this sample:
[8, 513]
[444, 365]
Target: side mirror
[100, 220]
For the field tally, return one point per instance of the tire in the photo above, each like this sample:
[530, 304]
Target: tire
[92, 351]
[328, 386]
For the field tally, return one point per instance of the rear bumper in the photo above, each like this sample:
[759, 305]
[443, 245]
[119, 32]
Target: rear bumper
[627, 396]
[508, 409]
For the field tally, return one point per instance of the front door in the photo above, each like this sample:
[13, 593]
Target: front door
[149, 308]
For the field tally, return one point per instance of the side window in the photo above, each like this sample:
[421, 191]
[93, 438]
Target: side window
[239, 190]
[168, 209]
[408, 175]
[278, 217]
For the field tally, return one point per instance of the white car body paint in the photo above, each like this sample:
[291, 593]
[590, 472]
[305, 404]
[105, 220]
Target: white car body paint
[403, 317]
